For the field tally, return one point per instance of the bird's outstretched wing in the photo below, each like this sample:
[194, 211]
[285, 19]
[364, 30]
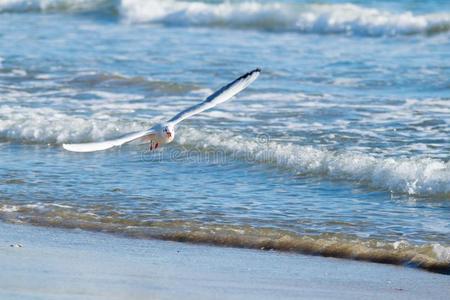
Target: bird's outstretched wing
[91, 147]
[222, 95]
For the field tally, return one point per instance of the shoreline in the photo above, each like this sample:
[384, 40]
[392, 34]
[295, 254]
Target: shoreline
[431, 257]
[74, 264]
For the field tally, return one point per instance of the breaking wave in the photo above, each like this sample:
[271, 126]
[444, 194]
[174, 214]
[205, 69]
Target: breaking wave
[413, 176]
[433, 257]
[23, 6]
[273, 16]
[49, 126]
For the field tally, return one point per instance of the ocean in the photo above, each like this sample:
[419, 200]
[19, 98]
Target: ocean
[341, 147]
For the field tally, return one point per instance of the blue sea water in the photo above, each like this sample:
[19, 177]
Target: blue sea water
[340, 148]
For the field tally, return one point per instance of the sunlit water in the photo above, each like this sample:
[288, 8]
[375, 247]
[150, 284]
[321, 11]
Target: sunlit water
[340, 148]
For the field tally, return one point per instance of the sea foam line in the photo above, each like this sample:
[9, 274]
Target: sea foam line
[23, 6]
[433, 257]
[413, 175]
[273, 16]
[50, 126]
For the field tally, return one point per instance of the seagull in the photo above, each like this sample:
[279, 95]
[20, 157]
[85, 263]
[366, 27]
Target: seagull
[164, 133]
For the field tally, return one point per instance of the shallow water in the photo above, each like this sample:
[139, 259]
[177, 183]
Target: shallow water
[340, 148]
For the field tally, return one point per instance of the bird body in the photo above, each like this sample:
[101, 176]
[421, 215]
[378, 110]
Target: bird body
[164, 133]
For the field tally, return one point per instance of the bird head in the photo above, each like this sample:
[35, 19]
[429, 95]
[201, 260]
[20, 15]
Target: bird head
[168, 132]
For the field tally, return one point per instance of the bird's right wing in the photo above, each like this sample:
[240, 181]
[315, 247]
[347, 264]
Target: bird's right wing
[91, 147]
[221, 95]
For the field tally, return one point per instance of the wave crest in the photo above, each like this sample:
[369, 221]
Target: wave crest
[23, 6]
[49, 126]
[303, 18]
[315, 18]
[413, 176]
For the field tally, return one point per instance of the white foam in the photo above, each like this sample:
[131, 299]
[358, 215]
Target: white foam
[413, 176]
[442, 253]
[315, 18]
[274, 16]
[8, 208]
[52, 5]
[49, 126]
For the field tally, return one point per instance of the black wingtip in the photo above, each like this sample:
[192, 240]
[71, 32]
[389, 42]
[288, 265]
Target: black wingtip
[245, 76]
[257, 70]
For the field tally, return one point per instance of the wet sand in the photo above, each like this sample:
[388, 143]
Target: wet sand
[73, 264]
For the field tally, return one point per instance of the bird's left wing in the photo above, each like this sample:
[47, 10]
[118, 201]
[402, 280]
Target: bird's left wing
[222, 95]
[91, 147]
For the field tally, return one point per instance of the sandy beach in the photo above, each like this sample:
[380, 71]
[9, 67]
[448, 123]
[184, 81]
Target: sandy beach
[43, 263]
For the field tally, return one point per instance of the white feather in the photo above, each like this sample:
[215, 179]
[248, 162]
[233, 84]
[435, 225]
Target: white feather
[91, 147]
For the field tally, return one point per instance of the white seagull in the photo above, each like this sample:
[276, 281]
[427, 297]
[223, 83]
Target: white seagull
[164, 133]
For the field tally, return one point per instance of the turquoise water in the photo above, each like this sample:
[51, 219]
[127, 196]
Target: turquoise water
[340, 148]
